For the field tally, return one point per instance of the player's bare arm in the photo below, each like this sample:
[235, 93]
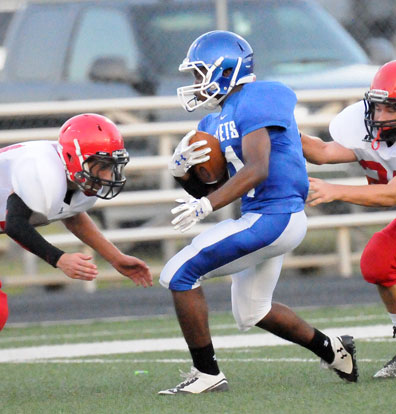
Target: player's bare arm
[83, 227]
[379, 195]
[256, 147]
[320, 152]
[77, 266]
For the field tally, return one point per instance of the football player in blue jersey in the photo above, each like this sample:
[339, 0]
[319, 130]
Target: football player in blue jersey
[260, 140]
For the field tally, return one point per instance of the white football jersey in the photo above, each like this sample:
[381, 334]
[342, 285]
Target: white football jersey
[35, 172]
[348, 129]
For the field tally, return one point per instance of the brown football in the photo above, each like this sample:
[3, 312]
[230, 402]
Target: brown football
[214, 169]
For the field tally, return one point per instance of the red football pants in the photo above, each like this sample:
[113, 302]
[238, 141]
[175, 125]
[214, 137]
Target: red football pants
[3, 298]
[3, 309]
[378, 261]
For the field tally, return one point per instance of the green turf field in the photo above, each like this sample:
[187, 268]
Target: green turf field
[263, 379]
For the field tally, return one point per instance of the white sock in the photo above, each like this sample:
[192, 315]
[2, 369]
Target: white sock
[393, 318]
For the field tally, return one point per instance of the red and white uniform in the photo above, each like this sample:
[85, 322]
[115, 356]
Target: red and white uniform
[3, 309]
[348, 129]
[378, 261]
[35, 172]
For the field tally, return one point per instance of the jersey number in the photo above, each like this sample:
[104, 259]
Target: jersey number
[237, 163]
[381, 171]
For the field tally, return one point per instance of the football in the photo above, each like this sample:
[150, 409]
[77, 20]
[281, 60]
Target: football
[213, 170]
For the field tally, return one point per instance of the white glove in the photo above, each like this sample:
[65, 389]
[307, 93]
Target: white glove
[185, 155]
[190, 212]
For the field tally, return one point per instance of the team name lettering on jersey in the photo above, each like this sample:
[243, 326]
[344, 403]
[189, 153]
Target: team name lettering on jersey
[227, 131]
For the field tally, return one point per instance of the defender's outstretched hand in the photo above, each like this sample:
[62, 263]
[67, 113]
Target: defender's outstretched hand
[186, 155]
[320, 192]
[190, 212]
[135, 269]
[77, 266]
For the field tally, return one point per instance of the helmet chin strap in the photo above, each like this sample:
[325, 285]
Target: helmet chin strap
[375, 143]
[387, 135]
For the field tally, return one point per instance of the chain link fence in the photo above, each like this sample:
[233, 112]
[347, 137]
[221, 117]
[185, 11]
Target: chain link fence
[371, 23]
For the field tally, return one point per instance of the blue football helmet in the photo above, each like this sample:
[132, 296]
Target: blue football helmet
[209, 56]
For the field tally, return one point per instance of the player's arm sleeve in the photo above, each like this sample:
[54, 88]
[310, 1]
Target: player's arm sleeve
[197, 188]
[17, 227]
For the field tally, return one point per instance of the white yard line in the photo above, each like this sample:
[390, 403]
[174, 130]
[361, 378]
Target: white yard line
[103, 332]
[90, 334]
[169, 344]
[383, 340]
[19, 325]
[88, 321]
[173, 361]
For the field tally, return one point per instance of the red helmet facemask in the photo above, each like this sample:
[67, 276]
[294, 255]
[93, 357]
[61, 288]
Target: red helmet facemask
[382, 91]
[93, 153]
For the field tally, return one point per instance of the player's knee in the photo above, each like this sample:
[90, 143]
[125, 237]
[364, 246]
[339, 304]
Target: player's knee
[176, 285]
[166, 276]
[164, 280]
[247, 318]
[178, 280]
[377, 262]
[3, 309]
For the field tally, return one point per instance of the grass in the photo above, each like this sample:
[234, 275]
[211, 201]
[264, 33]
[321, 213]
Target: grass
[255, 388]
[262, 379]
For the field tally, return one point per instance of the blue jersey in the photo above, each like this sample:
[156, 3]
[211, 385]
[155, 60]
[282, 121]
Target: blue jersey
[258, 105]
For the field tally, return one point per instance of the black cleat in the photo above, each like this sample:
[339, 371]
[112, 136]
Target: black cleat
[344, 363]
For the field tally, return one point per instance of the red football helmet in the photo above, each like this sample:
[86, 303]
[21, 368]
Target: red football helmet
[89, 144]
[383, 91]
